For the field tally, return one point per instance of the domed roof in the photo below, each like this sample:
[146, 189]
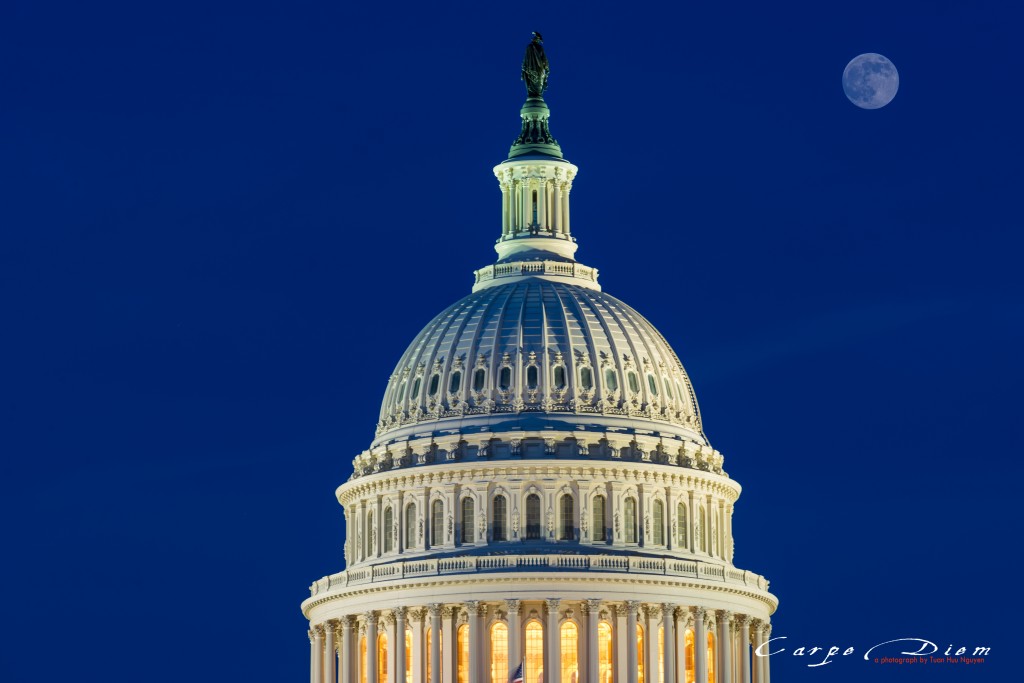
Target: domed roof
[537, 353]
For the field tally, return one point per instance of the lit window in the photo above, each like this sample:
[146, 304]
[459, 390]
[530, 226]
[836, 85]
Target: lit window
[691, 663]
[479, 379]
[531, 377]
[587, 379]
[634, 383]
[499, 653]
[467, 520]
[462, 654]
[659, 523]
[559, 377]
[598, 532]
[570, 652]
[498, 518]
[566, 510]
[534, 668]
[711, 658]
[428, 649]
[505, 379]
[455, 382]
[611, 381]
[388, 533]
[639, 654]
[437, 523]
[408, 656]
[533, 516]
[604, 652]
[630, 516]
[661, 654]
[652, 384]
[362, 660]
[382, 657]
[435, 382]
[410, 526]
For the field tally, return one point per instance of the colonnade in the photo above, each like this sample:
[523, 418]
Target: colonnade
[538, 204]
[557, 641]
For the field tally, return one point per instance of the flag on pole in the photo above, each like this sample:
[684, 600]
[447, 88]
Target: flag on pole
[517, 677]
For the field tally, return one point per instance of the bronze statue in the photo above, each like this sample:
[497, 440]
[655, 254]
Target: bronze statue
[535, 67]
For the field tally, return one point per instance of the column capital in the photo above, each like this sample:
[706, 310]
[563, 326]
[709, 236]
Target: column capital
[370, 617]
[318, 630]
[632, 606]
[698, 613]
[472, 605]
[742, 620]
[399, 613]
[434, 609]
[418, 613]
[348, 621]
[310, 634]
[591, 606]
[512, 605]
[553, 604]
[767, 628]
[668, 610]
[447, 611]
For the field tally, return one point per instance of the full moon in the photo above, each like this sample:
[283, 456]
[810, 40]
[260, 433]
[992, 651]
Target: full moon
[870, 81]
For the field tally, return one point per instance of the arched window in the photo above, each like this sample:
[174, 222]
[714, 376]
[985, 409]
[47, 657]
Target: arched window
[467, 520]
[535, 207]
[566, 511]
[586, 379]
[499, 517]
[362, 660]
[435, 382]
[702, 522]
[691, 663]
[652, 384]
[711, 657]
[462, 654]
[368, 536]
[559, 374]
[437, 523]
[388, 532]
[479, 379]
[681, 527]
[427, 650]
[505, 379]
[639, 654]
[634, 384]
[570, 640]
[499, 652]
[533, 516]
[668, 388]
[410, 526]
[415, 395]
[604, 652]
[382, 658]
[630, 515]
[611, 381]
[534, 659]
[531, 377]
[408, 655]
[455, 382]
[659, 523]
[597, 523]
[401, 392]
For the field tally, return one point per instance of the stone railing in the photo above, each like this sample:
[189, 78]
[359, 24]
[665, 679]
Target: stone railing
[518, 268]
[520, 563]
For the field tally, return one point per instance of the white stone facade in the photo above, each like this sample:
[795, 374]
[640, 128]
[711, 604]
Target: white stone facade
[539, 491]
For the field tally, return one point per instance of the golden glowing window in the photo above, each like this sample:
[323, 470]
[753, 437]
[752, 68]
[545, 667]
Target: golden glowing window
[462, 651]
[661, 654]
[499, 653]
[570, 652]
[362, 660]
[630, 520]
[597, 532]
[690, 663]
[711, 658]
[408, 656]
[604, 652]
[382, 658]
[639, 654]
[467, 520]
[428, 649]
[534, 668]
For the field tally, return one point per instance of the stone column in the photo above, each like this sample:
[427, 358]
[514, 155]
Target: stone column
[755, 642]
[668, 621]
[378, 522]
[370, 665]
[767, 662]
[504, 208]
[700, 646]
[592, 609]
[724, 648]
[314, 656]
[346, 667]
[448, 646]
[681, 620]
[650, 643]
[435, 642]
[515, 628]
[743, 622]
[556, 208]
[418, 672]
[691, 520]
[399, 645]
[565, 209]
[553, 668]
[542, 203]
[474, 607]
[631, 664]
[330, 656]
[713, 549]
[524, 191]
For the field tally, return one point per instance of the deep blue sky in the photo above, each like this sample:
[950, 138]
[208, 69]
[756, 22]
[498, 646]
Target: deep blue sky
[220, 225]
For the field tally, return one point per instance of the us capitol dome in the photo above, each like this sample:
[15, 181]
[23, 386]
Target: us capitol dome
[539, 499]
